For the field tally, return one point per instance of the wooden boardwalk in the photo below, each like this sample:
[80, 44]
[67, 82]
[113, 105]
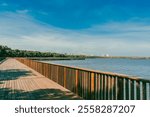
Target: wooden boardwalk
[19, 82]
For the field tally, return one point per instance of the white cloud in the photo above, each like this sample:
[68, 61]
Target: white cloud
[21, 31]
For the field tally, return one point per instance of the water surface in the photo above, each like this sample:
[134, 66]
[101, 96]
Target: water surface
[133, 67]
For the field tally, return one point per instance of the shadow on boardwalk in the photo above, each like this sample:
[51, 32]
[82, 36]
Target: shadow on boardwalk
[42, 94]
[8, 93]
[13, 74]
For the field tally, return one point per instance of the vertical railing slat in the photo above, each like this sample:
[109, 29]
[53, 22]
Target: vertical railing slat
[116, 88]
[135, 89]
[141, 90]
[124, 89]
[99, 87]
[108, 88]
[129, 89]
[92, 86]
[102, 87]
[112, 88]
[64, 77]
[147, 91]
[105, 87]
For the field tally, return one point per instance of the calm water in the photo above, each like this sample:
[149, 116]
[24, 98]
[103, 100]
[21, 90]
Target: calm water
[140, 68]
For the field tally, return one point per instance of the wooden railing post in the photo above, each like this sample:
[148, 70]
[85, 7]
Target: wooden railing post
[92, 86]
[76, 85]
[65, 77]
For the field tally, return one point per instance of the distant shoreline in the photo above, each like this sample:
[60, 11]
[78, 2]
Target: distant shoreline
[56, 58]
[83, 58]
[118, 57]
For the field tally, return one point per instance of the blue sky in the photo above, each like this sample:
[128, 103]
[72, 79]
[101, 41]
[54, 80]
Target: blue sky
[95, 27]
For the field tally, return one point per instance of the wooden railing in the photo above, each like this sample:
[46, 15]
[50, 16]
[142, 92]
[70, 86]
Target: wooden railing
[91, 84]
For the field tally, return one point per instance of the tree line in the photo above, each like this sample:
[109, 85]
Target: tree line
[8, 52]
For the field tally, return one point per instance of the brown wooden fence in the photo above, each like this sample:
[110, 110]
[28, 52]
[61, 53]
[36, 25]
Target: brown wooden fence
[91, 84]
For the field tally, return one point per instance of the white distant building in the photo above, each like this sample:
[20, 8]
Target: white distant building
[107, 55]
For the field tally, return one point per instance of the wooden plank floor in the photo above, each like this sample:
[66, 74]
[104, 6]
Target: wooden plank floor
[19, 82]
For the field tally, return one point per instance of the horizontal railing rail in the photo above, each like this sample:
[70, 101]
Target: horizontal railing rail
[92, 84]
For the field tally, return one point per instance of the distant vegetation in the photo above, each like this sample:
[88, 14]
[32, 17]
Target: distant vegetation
[1, 58]
[8, 52]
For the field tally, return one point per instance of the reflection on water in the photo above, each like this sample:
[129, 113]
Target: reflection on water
[133, 67]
